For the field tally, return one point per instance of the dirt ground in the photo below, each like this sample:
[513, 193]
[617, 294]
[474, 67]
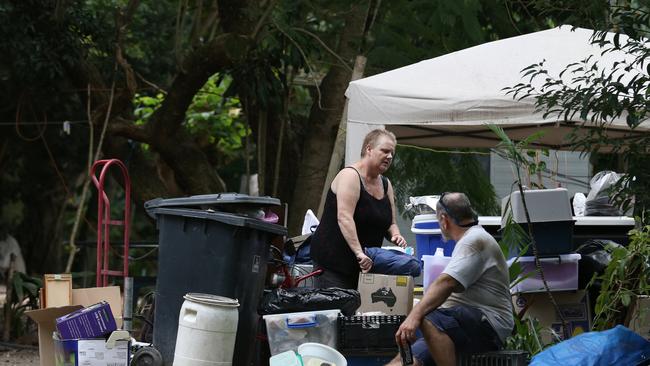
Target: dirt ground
[19, 357]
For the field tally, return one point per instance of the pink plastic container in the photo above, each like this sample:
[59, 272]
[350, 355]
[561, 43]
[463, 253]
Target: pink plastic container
[433, 265]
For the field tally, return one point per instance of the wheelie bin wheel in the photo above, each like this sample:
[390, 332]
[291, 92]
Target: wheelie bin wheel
[147, 356]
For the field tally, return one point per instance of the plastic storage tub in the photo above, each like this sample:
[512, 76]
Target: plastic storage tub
[550, 217]
[211, 252]
[288, 331]
[428, 236]
[561, 273]
[433, 267]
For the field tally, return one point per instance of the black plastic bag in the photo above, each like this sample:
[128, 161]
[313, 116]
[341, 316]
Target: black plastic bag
[594, 259]
[299, 299]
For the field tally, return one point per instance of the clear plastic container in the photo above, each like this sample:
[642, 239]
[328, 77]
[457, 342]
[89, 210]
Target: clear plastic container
[561, 273]
[433, 267]
[288, 331]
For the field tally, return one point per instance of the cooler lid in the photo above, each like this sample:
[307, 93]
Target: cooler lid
[604, 220]
[223, 217]
[220, 201]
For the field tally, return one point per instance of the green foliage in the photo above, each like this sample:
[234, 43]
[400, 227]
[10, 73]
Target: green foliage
[212, 117]
[526, 336]
[586, 92]
[626, 277]
[417, 172]
[218, 117]
[25, 297]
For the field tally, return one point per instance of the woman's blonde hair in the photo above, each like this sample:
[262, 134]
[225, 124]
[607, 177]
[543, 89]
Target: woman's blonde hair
[373, 136]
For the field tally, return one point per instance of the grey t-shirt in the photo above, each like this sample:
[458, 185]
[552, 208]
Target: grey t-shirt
[479, 265]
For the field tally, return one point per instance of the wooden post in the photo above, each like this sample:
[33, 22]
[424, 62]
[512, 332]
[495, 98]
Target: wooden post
[338, 153]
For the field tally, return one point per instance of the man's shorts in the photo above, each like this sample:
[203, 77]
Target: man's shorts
[467, 327]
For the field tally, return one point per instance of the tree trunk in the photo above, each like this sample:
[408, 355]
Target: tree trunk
[323, 123]
[338, 154]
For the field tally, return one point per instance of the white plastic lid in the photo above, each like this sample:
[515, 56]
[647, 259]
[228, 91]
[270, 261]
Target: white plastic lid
[208, 299]
[439, 252]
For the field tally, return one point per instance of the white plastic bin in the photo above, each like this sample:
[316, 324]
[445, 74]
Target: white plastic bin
[561, 273]
[288, 331]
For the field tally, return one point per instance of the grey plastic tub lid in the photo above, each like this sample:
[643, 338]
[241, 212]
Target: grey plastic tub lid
[215, 201]
[222, 217]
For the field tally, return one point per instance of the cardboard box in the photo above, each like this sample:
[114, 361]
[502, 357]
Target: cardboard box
[89, 296]
[94, 321]
[391, 295]
[574, 306]
[46, 318]
[96, 352]
[57, 290]
[639, 317]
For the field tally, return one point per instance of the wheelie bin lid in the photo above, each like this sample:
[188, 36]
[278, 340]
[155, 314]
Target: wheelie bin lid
[218, 202]
[222, 217]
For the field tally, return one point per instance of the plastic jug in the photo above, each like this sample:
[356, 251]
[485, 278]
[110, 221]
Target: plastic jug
[433, 266]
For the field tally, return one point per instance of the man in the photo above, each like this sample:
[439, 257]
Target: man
[467, 309]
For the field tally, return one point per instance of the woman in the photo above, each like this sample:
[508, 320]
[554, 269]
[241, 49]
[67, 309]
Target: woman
[359, 212]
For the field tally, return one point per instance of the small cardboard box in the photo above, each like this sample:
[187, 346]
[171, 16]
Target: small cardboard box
[574, 306]
[392, 295]
[639, 317]
[46, 318]
[92, 322]
[57, 290]
[96, 352]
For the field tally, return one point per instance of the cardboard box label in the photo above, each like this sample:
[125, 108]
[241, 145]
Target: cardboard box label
[94, 352]
[401, 281]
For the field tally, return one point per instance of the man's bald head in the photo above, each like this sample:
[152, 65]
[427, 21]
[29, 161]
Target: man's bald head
[457, 206]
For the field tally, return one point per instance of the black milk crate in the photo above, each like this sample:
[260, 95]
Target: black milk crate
[496, 358]
[368, 333]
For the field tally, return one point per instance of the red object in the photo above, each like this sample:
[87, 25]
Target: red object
[290, 281]
[104, 221]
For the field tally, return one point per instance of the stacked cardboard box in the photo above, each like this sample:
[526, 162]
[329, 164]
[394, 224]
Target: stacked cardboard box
[60, 301]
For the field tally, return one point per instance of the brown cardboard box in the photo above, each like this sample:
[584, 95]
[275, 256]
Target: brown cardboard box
[639, 317]
[45, 318]
[57, 290]
[574, 305]
[392, 295]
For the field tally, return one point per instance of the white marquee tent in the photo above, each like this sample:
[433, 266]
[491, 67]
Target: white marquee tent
[448, 100]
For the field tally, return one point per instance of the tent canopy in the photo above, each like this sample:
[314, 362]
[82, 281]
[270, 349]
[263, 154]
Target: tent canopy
[448, 101]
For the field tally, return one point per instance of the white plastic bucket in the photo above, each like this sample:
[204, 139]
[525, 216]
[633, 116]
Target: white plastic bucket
[207, 328]
[320, 352]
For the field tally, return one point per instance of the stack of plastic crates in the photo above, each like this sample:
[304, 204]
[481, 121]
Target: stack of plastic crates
[496, 358]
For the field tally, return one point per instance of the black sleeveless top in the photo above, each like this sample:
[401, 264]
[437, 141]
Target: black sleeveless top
[372, 218]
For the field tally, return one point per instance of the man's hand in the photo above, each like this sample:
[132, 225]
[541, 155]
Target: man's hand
[398, 239]
[365, 263]
[406, 332]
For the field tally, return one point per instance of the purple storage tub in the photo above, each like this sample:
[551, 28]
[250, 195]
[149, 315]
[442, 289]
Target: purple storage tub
[561, 273]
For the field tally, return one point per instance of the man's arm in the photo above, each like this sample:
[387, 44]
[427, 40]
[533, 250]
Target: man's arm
[435, 296]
